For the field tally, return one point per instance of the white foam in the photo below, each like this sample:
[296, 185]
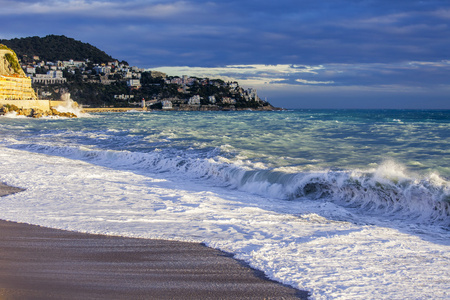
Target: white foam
[70, 107]
[12, 115]
[292, 242]
[388, 190]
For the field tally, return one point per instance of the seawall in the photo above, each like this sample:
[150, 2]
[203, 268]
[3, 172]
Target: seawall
[111, 109]
[44, 105]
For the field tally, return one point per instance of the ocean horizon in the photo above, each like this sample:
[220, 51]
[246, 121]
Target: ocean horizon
[343, 203]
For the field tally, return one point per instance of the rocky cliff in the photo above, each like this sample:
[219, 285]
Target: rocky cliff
[14, 84]
[9, 63]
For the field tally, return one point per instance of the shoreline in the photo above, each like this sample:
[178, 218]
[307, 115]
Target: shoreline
[46, 263]
[191, 108]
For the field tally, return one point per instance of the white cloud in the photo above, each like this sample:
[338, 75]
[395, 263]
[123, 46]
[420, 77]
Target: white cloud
[99, 9]
[443, 13]
[313, 81]
[367, 75]
[254, 75]
[268, 72]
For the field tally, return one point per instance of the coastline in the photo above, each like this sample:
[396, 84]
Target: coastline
[186, 108]
[45, 263]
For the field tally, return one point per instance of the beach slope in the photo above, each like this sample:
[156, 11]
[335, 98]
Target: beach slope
[44, 263]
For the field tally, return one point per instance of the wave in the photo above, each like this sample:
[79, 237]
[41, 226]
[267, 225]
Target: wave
[389, 190]
[13, 115]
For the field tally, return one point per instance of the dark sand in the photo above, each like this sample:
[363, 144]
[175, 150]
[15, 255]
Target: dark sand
[44, 263]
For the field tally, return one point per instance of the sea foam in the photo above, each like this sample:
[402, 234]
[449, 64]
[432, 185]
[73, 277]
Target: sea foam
[388, 190]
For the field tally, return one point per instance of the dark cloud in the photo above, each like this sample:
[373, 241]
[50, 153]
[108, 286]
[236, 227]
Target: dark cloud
[361, 42]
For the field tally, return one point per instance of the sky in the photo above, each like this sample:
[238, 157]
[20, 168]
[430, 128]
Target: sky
[296, 53]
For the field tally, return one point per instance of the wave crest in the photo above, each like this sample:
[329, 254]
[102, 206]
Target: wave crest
[389, 189]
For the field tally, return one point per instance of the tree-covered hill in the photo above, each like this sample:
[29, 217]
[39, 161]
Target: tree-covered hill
[55, 47]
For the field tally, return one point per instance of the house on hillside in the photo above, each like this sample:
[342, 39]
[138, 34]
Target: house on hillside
[52, 77]
[134, 83]
[194, 100]
[166, 104]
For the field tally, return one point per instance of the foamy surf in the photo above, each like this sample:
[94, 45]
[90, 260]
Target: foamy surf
[388, 190]
[299, 243]
[69, 106]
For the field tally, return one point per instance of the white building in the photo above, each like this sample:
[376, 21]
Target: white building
[212, 99]
[31, 70]
[166, 104]
[113, 63]
[102, 69]
[228, 100]
[52, 77]
[72, 63]
[194, 100]
[253, 95]
[123, 97]
[128, 74]
[134, 83]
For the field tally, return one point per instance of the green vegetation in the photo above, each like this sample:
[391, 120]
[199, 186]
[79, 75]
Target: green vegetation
[12, 59]
[13, 62]
[4, 47]
[11, 107]
[55, 47]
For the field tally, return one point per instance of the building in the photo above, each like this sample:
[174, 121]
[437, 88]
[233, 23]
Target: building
[102, 69]
[166, 104]
[212, 99]
[228, 100]
[134, 83]
[253, 95]
[52, 77]
[70, 64]
[123, 97]
[31, 70]
[127, 74]
[194, 100]
[16, 87]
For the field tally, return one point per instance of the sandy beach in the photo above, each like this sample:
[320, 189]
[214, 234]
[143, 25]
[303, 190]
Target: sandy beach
[44, 263]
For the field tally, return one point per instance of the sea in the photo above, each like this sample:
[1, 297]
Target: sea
[346, 204]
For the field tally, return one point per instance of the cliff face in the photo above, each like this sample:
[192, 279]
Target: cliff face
[14, 84]
[9, 63]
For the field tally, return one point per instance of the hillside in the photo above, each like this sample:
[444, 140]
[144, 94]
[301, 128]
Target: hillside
[115, 84]
[55, 47]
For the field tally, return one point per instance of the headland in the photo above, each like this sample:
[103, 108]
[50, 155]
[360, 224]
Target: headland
[99, 82]
[17, 94]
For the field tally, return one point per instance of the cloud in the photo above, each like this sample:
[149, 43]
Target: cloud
[313, 81]
[256, 74]
[307, 45]
[99, 9]
[211, 33]
[378, 76]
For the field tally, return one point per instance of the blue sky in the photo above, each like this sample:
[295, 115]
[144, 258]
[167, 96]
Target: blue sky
[298, 54]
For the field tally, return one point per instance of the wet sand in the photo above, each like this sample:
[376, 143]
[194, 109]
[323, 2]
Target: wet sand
[44, 263]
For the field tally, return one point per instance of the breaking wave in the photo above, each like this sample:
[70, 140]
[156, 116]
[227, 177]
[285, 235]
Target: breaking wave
[389, 190]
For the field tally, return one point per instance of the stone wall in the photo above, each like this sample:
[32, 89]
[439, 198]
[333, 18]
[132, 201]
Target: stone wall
[44, 105]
